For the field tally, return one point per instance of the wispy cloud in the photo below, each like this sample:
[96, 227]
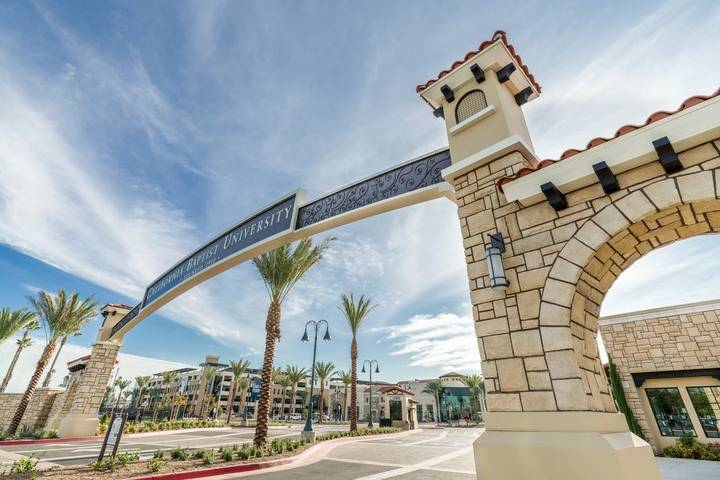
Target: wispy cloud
[445, 341]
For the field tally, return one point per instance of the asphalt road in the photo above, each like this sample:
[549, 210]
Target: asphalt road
[73, 453]
[433, 453]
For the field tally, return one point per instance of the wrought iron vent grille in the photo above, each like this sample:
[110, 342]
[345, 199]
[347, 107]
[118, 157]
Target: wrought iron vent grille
[472, 103]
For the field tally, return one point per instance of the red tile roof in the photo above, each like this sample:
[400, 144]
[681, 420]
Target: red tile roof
[498, 35]
[118, 305]
[390, 388]
[659, 115]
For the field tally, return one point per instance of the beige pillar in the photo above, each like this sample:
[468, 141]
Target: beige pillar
[550, 414]
[82, 417]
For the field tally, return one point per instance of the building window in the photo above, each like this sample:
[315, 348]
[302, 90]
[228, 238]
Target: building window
[470, 104]
[670, 413]
[706, 401]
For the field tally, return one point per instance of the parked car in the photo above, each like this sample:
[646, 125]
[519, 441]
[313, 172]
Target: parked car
[295, 416]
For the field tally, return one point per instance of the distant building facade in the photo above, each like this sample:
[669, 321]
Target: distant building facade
[455, 399]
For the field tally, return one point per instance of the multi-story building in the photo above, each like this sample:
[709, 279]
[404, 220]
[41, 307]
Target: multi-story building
[668, 361]
[455, 398]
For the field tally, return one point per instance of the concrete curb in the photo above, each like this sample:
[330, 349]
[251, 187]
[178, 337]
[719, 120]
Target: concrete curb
[325, 446]
[40, 441]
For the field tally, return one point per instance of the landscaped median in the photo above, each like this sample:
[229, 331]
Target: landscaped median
[184, 463]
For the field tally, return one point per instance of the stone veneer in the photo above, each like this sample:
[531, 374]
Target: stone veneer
[87, 397]
[38, 411]
[538, 338]
[680, 338]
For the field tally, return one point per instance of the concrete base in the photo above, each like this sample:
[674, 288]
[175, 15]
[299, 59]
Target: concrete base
[78, 426]
[308, 436]
[562, 445]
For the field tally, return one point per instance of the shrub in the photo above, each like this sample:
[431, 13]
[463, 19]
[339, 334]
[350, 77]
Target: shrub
[96, 465]
[179, 453]
[126, 457]
[227, 454]
[155, 465]
[688, 447]
[110, 464]
[25, 466]
[158, 455]
[208, 457]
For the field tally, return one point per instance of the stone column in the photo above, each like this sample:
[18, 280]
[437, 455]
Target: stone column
[85, 400]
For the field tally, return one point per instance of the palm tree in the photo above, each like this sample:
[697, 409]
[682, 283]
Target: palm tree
[295, 375]
[168, 379]
[434, 388]
[12, 321]
[354, 313]
[238, 370]
[48, 376]
[285, 383]
[324, 371]
[208, 379]
[22, 343]
[122, 384]
[346, 379]
[141, 383]
[155, 394]
[476, 385]
[243, 385]
[280, 270]
[62, 315]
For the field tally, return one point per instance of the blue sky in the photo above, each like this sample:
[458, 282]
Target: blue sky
[132, 132]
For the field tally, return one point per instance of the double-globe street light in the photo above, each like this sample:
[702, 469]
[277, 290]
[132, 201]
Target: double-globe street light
[377, 370]
[307, 432]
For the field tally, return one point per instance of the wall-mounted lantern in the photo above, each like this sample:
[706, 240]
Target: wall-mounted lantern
[494, 260]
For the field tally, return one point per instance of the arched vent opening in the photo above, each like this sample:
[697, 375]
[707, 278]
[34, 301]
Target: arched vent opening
[470, 104]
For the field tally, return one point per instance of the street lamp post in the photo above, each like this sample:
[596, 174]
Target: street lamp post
[377, 370]
[308, 433]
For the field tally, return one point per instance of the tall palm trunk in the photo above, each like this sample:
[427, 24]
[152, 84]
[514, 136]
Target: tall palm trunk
[10, 369]
[241, 407]
[292, 398]
[272, 333]
[322, 400]
[353, 386]
[282, 405]
[49, 374]
[27, 396]
[231, 400]
[344, 410]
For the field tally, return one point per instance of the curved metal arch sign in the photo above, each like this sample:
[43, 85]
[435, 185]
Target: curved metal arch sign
[291, 218]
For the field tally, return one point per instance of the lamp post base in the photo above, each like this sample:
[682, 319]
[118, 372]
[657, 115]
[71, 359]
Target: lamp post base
[308, 436]
[560, 446]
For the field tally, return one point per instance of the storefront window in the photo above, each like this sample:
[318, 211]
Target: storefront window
[706, 401]
[670, 413]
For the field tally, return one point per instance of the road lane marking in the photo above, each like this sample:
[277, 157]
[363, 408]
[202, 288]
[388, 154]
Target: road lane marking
[428, 440]
[399, 465]
[417, 466]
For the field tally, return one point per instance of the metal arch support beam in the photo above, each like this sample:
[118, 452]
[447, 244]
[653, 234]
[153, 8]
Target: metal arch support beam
[416, 181]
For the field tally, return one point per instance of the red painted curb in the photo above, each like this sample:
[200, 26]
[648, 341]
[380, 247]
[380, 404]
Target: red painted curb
[213, 471]
[40, 441]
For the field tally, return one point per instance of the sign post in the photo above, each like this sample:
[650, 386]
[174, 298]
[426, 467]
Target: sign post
[113, 434]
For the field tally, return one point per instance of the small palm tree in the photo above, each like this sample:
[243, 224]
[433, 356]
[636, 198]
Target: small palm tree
[238, 370]
[280, 270]
[243, 385]
[354, 313]
[346, 379]
[476, 385]
[141, 383]
[122, 384]
[285, 383]
[435, 388]
[323, 370]
[208, 378]
[295, 375]
[62, 315]
[22, 344]
[11, 321]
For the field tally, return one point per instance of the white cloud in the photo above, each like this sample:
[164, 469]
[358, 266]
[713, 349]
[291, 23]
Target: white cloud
[443, 342]
[129, 366]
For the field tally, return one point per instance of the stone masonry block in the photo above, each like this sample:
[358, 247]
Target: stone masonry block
[570, 394]
[497, 346]
[559, 293]
[551, 314]
[526, 343]
[635, 206]
[538, 401]
[556, 338]
[592, 235]
[562, 364]
[511, 373]
[696, 186]
[610, 219]
[664, 193]
[529, 304]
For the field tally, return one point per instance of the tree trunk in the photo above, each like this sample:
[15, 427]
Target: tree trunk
[25, 401]
[241, 407]
[231, 400]
[49, 374]
[292, 399]
[10, 369]
[353, 386]
[282, 405]
[137, 400]
[272, 332]
[344, 410]
[322, 400]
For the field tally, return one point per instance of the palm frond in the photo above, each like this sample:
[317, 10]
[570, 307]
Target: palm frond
[11, 321]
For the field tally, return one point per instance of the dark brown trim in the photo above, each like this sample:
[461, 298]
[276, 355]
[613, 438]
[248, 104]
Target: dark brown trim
[640, 377]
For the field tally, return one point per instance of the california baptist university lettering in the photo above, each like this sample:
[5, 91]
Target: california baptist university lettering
[272, 221]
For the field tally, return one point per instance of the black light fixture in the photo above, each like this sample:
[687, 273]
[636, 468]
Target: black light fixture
[666, 153]
[493, 254]
[447, 93]
[503, 75]
[305, 336]
[439, 112]
[554, 196]
[477, 72]
[327, 338]
[608, 182]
